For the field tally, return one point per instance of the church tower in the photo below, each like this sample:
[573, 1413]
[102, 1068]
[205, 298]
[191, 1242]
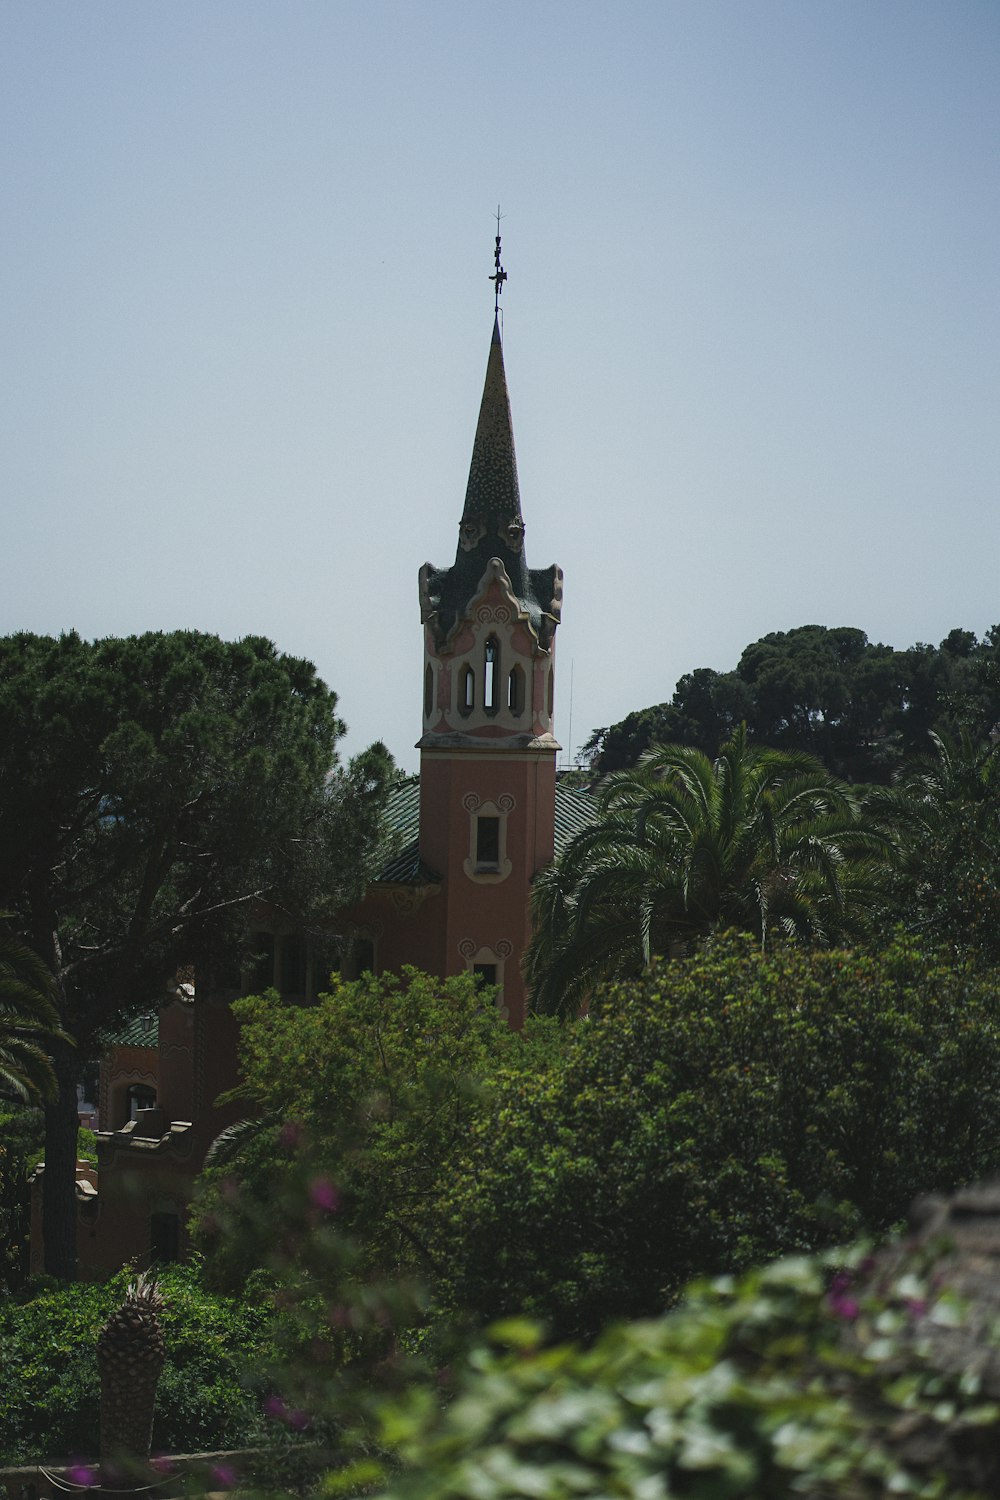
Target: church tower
[487, 752]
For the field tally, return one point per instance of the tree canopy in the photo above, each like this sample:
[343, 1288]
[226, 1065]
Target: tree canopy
[151, 789]
[860, 706]
[720, 1110]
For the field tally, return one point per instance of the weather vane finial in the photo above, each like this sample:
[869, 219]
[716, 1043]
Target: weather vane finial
[500, 275]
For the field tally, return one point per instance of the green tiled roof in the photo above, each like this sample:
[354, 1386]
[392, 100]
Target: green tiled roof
[403, 817]
[575, 809]
[141, 1031]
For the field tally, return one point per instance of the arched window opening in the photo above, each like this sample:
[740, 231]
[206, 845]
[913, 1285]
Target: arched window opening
[550, 693]
[428, 690]
[491, 673]
[467, 690]
[515, 690]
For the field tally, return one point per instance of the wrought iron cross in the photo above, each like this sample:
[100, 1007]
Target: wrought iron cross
[500, 275]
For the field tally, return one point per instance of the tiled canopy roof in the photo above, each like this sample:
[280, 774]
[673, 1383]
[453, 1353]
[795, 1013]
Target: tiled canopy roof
[575, 809]
[141, 1031]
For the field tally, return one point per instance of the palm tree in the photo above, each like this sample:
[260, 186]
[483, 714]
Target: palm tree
[944, 812]
[758, 839]
[131, 1352]
[28, 1019]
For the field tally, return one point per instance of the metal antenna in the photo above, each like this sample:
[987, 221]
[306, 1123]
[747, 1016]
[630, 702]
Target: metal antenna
[500, 275]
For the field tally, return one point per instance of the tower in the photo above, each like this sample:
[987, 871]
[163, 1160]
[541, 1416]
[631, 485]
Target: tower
[487, 752]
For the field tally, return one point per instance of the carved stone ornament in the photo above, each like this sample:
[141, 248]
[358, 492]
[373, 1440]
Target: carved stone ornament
[471, 801]
[471, 532]
[513, 533]
[467, 948]
[407, 899]
[493, 614]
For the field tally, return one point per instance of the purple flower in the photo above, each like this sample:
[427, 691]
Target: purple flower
[275, 1407]
[297, 1420]
[843, 1307]
[162, 1464]
[916, 1307]
[225, 1476]
[83, 1475]
[323, 1194]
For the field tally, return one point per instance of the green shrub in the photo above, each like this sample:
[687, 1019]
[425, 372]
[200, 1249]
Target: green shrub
[379, 1083]
[805, 1379]
[49, 1391]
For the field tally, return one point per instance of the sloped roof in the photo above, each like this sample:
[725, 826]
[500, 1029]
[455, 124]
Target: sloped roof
[142, 1031]
[575, 809]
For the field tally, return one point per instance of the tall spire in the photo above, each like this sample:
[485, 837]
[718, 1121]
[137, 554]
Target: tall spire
[492, 512]
[492, 528]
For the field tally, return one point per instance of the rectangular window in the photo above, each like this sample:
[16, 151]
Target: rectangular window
[164, 1237]
[487, 841]
[485, 973]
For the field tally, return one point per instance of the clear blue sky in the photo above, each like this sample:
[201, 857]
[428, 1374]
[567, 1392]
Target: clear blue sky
[752, 326]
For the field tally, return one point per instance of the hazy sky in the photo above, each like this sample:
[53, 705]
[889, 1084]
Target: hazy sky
[751, 329]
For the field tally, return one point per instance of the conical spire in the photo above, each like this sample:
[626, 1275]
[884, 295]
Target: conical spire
[491, 527]
[492, 498]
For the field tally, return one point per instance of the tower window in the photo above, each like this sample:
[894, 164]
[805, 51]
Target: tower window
[467, 690]
[428, 690]
[485, 973]
[491, 673]
[488, 842]
[515, 690]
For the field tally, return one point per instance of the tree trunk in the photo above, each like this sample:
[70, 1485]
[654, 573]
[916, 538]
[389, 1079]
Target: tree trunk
[59, 1178]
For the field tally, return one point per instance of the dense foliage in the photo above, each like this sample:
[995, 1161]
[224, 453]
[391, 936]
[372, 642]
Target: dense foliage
[813, 1377]
[944, 813]
[861, 707]
[49, 1393]
[765, 841]
[379, 1082]
[21, 1135]
[718, 1111]
[151, 788]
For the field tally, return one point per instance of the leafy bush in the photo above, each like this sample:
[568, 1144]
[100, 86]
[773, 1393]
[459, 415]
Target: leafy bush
[379, 1083]
[720, 1111]
[807, 1378]
[49, 1389]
